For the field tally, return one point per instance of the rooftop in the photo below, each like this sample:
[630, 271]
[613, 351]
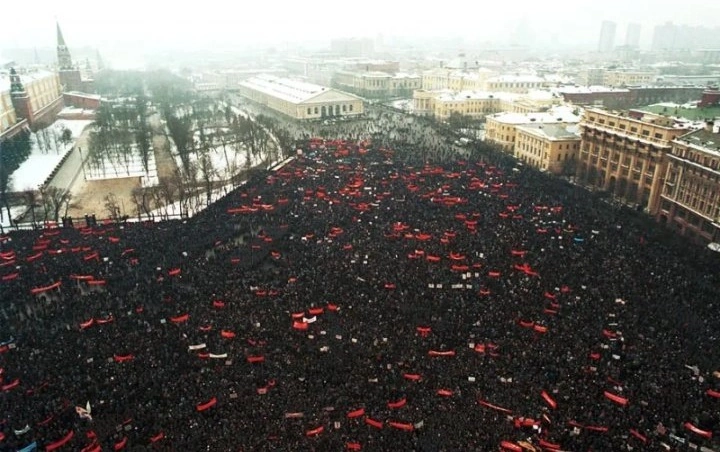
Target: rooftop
[703, 138]
[516, 79]
[590, 89]
[457, 96]
[287, 89]
[553, 132]
[24, 77]
[554, 115]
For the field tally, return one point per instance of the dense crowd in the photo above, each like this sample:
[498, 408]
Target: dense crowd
[346, 301]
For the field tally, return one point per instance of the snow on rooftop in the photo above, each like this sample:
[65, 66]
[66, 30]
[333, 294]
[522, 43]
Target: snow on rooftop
[287, 89]
[26, 78]
[590, 89]
[554, 115]
[457, 96]
[516, 79]
[552, 131]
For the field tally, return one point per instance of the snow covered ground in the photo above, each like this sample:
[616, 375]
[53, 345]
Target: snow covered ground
[403, 104]
[45, 156]
[108, 169]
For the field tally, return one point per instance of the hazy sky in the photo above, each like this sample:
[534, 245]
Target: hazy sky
[150, 25]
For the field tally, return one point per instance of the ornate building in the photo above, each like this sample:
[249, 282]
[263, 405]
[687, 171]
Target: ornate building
[626, 155]
[70, 76]
[690, 199]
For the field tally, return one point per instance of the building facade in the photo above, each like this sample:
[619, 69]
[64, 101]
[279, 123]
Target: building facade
[375, 84]
[626, 156]
[300, 100]
[548, 147]
[690, 199]
[501, 128]
[7, 111]
[628, 78]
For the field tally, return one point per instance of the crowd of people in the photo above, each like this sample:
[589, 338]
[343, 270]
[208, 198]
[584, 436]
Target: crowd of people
[346, 301]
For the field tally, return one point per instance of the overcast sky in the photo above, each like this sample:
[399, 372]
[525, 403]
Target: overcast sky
[151, 25]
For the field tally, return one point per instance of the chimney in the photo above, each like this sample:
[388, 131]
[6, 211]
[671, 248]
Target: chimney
[710, 126]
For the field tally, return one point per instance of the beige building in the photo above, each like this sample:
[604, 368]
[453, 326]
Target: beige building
[500, 128]
[455, 80]
[514, 83]
[548, 147]
[300, 100]
[377, 84]
[442, 104]
[628, 78]
[41, 99]
[690, 198]
[7, 111]
[626, 155]
[43, 88]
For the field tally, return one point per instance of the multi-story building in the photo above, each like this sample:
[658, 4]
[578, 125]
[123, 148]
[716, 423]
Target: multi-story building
[607, 36]
[29, 98]
[300, 100]
[500, 128]
[514, 83]
[690, 198]
[625, 154]
[632, 36]
[591, 76]
[548, 147]
[456, 80]
[628, 78]
[377, 84]
[7, 110]
[474, 104]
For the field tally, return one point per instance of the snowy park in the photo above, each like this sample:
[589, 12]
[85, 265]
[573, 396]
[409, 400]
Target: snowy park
[47, 152]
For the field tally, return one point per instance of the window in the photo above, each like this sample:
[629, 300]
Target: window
[309, 111]
[622, 126]
[344, 108]
[316, 110]
[351, 107]
[645, 133]
[633, 129]
[658, 135]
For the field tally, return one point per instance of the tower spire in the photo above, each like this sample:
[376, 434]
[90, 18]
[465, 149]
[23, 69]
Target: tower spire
[63, 53]
[60, 39]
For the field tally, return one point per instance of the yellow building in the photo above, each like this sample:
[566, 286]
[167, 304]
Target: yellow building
[43, 88]
[626, 155]
[377, 84]
[38, 102]
[7, 111]
[300, 100]
[514, 83]
[474, 104]
[455, 80]
[500, 128]
[690, 199]
[548, 147]
[627, 78]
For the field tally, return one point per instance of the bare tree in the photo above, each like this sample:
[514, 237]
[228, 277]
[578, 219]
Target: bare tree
[111, 206]
[54, 199]
[30, 197]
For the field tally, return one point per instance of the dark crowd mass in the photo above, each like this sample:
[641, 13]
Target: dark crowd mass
[346, 301]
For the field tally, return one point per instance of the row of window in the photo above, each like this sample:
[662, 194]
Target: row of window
[317, 110]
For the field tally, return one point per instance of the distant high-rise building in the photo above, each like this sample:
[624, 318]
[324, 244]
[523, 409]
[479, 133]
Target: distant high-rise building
[607, 36]
[664, 37]
[632, 37]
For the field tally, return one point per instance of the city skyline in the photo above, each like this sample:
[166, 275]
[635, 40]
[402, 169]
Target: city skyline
[148, 27]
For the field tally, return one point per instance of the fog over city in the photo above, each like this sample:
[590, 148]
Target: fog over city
[144, 27]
